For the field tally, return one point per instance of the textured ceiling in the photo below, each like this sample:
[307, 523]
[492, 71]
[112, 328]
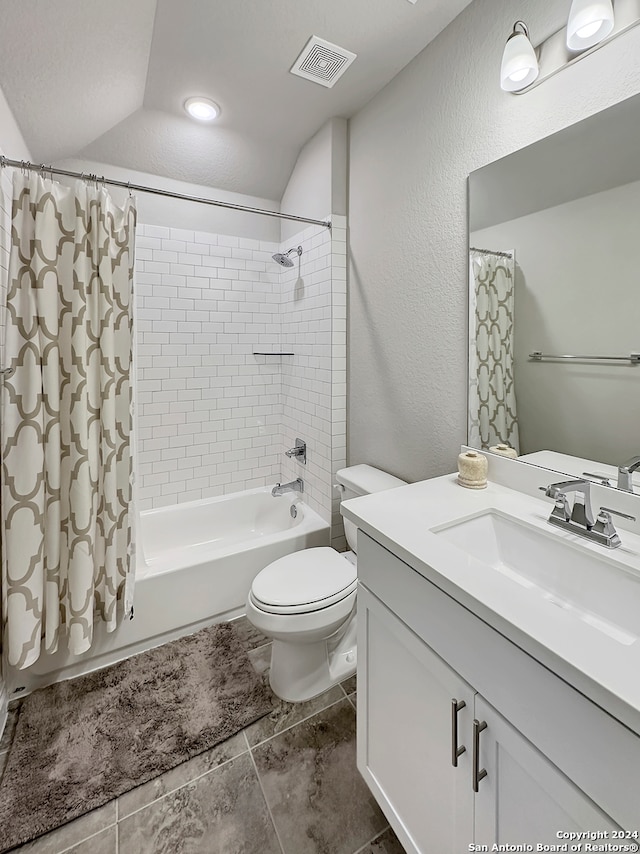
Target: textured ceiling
[106, 81]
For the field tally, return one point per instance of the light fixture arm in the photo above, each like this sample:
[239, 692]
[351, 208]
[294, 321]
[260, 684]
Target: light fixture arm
[524, 29]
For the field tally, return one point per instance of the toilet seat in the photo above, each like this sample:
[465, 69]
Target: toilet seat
[304, 581]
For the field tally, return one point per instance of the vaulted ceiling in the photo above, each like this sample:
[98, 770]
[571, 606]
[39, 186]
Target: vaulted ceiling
[106, 80]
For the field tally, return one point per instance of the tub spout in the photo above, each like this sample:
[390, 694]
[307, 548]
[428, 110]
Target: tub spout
[296, 485]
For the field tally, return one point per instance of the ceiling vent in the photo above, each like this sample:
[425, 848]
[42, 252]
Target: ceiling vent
[322, 62]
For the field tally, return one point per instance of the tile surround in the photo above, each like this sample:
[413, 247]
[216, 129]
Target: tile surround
[212, 417]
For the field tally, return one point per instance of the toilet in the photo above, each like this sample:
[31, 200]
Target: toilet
[306, 602]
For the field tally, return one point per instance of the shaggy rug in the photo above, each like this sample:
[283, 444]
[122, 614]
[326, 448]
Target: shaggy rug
[81, 743]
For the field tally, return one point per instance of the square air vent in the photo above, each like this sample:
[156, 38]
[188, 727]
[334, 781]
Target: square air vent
[322, 62]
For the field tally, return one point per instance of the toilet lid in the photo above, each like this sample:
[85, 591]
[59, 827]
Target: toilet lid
[314, 577]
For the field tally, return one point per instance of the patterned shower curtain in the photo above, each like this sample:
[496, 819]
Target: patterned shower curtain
[67, 550]
[492, 398]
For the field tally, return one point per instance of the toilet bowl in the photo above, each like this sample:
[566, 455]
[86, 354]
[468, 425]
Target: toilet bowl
[306, 602]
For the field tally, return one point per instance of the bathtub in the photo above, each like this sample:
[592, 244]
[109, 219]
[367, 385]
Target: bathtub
[194, 567]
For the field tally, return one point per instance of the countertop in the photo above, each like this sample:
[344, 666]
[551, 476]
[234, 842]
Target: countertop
[402, 520]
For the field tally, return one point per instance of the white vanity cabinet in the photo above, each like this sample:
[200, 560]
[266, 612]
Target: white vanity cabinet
[525, 798]
[554, 761]
[405, 733]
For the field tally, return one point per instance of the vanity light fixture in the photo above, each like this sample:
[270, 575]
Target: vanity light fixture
[591, 25]
[202, 109]
[519, 62]
[590, 21]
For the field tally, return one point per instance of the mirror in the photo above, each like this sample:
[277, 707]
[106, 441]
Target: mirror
[554, 270]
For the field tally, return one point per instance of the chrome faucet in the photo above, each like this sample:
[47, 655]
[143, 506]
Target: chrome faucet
[580, 520]
[296, 485]
[581, 514]
[625, 471]
[299, 451]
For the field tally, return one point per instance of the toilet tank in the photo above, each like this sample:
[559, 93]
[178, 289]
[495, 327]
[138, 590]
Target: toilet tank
[362, 480]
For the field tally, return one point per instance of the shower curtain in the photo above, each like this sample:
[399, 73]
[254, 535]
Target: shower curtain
[67, 547]
[492, 399]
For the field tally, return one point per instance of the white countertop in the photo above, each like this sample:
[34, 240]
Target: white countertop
[596, 664]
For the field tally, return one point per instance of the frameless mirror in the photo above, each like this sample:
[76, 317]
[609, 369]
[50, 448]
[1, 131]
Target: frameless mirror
[554, 284]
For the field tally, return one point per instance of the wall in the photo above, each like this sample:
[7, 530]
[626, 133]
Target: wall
[313, 314]
[315, 320]
[575, 292]
[318, 182]
[175, 213]
[411, 149]
[12, 145]
[208, 410]
[213, 417]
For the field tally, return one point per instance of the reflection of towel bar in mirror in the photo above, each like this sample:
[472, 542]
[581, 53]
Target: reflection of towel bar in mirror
[633, 358]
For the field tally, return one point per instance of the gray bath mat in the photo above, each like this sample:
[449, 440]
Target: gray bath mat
[81, 743]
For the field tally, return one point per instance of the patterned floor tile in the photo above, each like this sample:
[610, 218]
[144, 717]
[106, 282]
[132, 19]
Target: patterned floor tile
[350, 684]
[221, 813]
[386, 843]
[73, 833]
[318, 800]
[104, 843]
[143, 795]
[285, 715]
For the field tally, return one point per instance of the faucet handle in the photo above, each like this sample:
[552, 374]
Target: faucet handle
[562, 508]
[604, 525]
[604, 480]
[611, 512]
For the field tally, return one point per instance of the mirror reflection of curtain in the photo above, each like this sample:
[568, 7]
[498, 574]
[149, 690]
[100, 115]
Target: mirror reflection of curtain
[492, 399]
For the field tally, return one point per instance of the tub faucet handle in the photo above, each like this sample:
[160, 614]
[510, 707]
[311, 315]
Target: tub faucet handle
[299, 450]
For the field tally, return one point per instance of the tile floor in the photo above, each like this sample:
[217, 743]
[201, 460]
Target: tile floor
[286, 784]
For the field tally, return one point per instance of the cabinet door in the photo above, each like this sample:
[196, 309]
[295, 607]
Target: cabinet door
[524, 798]
[405, 727]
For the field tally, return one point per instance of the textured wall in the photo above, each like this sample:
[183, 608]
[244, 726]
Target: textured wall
[411, 149]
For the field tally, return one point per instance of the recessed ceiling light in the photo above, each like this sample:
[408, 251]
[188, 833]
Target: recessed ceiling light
[202, 109]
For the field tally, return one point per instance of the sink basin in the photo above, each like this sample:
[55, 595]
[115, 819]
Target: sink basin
[598, 589]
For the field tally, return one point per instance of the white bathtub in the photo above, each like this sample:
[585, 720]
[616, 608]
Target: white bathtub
[195, 565]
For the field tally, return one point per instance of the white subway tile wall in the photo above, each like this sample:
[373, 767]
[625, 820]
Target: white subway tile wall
[212, 417]
[309, 301]
[208, 410]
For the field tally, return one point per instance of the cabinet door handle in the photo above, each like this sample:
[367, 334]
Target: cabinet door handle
[478, 774]
[456, 706]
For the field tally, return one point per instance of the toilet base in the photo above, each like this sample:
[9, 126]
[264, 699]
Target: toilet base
[301, 671]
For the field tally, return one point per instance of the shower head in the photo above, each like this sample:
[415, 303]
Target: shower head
[283, 258]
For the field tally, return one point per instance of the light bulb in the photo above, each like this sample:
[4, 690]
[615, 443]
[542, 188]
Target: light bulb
[519, 62]
[590, 21]
[202, 109]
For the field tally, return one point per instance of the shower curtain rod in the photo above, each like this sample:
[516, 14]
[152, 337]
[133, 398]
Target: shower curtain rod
[140, 188]
[491, 252]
